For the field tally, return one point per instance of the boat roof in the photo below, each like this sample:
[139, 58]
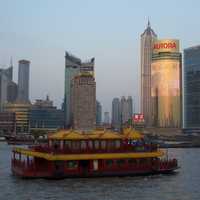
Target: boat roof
[96, 135]
[53, 157]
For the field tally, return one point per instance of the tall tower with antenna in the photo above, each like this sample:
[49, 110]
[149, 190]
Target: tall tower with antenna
[146, 47]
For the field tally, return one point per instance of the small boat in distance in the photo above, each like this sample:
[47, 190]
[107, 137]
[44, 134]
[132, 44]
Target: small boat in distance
[23, 139]
[70, 153]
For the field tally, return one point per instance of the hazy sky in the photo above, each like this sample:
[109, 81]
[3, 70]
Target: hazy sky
[109, 30]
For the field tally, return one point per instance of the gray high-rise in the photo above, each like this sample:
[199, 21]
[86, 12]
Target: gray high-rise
[192, 87]
[147, 40]
[83, 102]
[8, 89]
[98, 113]
[73, 67]
[126, 107]
[23, 81]
[116, 114]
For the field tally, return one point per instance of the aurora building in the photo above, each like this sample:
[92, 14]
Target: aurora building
[166, 92]
[147, 40]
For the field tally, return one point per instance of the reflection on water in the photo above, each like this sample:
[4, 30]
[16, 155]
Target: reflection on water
[184, 185]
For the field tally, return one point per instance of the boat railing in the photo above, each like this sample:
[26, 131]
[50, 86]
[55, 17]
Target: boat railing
[125, 148]
[23, 164]
[164, 164]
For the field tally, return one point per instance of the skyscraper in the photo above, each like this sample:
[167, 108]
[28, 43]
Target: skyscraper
[8, 89]
[3, 88]
[126, 107]
[130, 107]
[106, 118]
[116, 114]
[146, 48]
[73, 66]
[23, 81]
[98, 113]
[83, 102]
[166, 87]
[192, 87]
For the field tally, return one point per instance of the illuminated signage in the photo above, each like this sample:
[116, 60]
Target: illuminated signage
[138, 118]
[166, 46]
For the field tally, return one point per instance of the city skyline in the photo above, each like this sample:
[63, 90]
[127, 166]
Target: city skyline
[114, 44]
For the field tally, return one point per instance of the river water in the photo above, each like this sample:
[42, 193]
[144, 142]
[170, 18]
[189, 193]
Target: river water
[184, 185]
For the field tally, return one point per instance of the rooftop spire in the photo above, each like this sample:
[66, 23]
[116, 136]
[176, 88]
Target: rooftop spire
[148, 24]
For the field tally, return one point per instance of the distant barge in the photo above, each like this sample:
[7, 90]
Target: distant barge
[23, 140]
[73, 154]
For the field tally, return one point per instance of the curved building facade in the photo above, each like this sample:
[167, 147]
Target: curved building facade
[166, 87]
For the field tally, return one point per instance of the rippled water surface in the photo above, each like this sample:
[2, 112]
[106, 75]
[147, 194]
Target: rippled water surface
[185, 185]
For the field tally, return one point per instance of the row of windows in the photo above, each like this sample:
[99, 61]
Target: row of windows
[122, 162]
[110, 163]
[96, 144]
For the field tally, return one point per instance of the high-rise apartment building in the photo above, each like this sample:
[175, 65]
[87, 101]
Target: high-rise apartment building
[166, 87]
[23, 81]
[73, 67]
[126, 109]
[83, 102]
[130, 107]
[106, 120]
[98, 113]
[116, 114]
[146, 47]
[192, 87]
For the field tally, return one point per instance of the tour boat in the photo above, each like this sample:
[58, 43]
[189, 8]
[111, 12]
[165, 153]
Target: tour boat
[69, 153]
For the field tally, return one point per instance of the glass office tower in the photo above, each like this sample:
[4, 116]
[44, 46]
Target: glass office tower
[192, 87]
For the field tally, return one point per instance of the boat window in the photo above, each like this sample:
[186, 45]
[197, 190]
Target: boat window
[75, 145]
[132, 161]
[142, 161]
[96, 144]
[120, 162]
[56, 144]
[109, 163]
[111, 144]
[68, 144]
[83, 144]
[103, 144]
[72, 164]
[90, 144]
[117, 144]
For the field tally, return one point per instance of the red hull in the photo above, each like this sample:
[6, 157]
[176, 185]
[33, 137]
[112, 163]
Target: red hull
[48, 170]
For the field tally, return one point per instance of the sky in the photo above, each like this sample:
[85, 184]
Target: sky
[109, 30]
